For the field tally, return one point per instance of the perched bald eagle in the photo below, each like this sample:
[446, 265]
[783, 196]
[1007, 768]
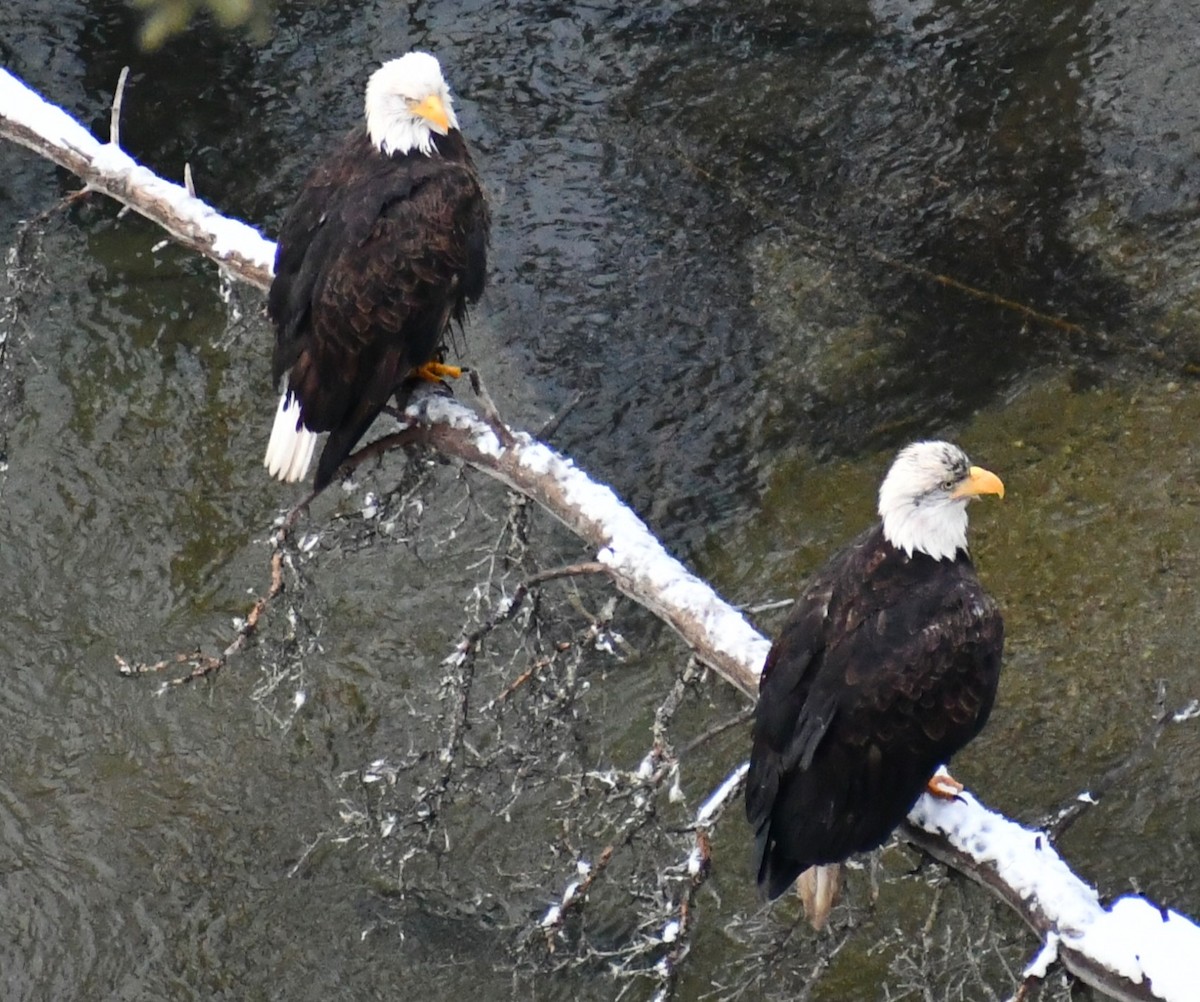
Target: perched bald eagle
[384, 247]
[885, 667]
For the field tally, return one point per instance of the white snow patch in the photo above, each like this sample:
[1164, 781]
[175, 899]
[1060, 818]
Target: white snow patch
[1047, 955]
[1142, 942]
[1086, 798]
[24, 107]
[675, 794]
[715, 802]
[1024, 859]
[1189, 712]
[670, 931]
[1133, 938]
[446, 410]
[551, 916]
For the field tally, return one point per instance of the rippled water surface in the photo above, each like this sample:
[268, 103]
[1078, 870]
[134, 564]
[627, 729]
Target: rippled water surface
[745, 252]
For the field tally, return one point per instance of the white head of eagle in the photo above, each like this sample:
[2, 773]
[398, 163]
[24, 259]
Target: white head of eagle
[923, 499]
[408, 100]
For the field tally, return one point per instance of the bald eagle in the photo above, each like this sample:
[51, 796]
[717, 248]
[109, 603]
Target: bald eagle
[385, 245]
[884, 668]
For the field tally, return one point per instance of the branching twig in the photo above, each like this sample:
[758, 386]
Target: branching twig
[469, 645]
[203, 665]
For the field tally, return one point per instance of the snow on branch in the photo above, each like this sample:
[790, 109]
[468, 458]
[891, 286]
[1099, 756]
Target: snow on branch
[1132, 950]
[49, 131]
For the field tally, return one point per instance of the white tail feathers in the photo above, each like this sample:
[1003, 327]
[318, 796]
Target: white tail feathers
[819, 888]
[291, 448]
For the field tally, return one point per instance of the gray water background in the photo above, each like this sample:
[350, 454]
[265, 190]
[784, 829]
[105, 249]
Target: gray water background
[721, 225]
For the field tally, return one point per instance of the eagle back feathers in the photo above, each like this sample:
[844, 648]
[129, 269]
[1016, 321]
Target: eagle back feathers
[885, 667]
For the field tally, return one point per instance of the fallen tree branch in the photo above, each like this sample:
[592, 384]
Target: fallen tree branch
[1134, 950]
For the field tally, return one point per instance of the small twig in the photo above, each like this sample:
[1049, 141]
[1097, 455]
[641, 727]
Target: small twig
[469, 644]
[189, 182]
[1057, 823]
[203, 665]
[520, 680]
[769, 606]
[546, 431]
[301, 508]
[114, 128]
[716, 730]
[985, 295]
[573, 896]
[490, 413]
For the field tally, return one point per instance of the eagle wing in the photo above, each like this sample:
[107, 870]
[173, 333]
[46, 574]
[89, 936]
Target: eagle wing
[787, 723]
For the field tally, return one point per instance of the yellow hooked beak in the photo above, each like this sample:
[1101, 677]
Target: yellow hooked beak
[434, 112]
[979, 481]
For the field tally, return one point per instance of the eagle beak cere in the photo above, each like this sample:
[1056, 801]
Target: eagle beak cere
[434, 112]
[979, 481]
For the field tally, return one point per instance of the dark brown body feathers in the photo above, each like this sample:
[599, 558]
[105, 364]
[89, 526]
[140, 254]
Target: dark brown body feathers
[885, 667]
[375, 259]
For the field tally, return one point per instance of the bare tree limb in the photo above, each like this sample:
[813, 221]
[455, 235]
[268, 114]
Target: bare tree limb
[50, 132]
[1133, 950]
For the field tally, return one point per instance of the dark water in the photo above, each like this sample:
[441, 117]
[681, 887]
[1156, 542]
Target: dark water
[765, 246]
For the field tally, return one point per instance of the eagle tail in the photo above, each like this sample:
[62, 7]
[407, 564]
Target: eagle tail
[819, 888]
[291, 447]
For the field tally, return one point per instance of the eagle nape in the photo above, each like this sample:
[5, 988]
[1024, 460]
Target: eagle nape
[884, 668]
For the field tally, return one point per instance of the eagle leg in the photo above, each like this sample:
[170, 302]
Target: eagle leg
[944, 786]
[435, 372]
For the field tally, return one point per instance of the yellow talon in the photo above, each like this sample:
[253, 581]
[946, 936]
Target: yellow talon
[943, 786]
[435, 372]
